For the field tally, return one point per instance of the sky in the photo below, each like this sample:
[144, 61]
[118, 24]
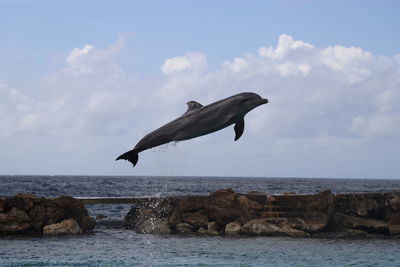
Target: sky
[81, 82]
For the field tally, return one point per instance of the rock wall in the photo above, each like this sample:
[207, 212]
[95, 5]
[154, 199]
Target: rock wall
[31, 215]
[226, 212]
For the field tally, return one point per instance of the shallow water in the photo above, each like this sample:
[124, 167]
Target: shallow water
[114, 246]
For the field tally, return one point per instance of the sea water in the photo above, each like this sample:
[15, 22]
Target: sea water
[111, 245]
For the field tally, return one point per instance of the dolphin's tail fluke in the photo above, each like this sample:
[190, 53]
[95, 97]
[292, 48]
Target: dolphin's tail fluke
[131, 155]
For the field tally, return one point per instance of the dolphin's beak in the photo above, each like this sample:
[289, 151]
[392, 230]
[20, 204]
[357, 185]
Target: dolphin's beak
[263, 101]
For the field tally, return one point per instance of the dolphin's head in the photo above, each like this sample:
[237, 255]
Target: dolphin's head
[248, 101]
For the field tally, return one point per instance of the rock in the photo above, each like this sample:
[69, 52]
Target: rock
[19, 215]
[395, 202]
[213, 228]
[2, 202]
[157, 226]
[66, 227]
[12, 227]
[315, 221]
[288, 193]
[342, 221]
[257, 193]
[22, 203]
[202, 231]
[233, 228]
[364, 207]
[394, 224]
[183, 228]
[248, 204]
[272, 227]
[197, 219]
[26, 214]
[74, 208]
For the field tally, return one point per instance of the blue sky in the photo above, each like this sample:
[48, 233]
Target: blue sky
[330, 69]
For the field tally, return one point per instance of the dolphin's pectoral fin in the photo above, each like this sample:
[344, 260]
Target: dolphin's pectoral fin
[193, 105]
[239, 128]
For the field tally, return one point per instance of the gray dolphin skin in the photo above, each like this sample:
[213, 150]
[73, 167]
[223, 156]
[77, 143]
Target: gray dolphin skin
[200, 120]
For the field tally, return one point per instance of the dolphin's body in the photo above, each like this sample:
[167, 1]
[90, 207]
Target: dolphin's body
[200, 120]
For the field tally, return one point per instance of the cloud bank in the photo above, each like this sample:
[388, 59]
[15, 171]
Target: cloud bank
[331, 106]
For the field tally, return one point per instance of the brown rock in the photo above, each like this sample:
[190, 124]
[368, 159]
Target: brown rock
[13, 227]
[364, 207]
[66, 227]
[341, 221]
[2, 202]
[22, 203]
[272, 227]
[183, 228]
[256, 193]
[197, 219]
[248, 204]
[233, 228]
[213, 228]
[19, 215]
[315, 221]
[202, 231]
[394, 224]
[75, 209]
[395, 202]
[38, 217]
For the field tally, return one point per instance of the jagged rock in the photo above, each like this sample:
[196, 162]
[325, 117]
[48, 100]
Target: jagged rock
[66, 227]
[197, 219]
[272, 227]
[315, 221]
[26, 214]
[156, 226]
[233, 228]
[202, 231]
[256, 193]
[22, 203]
[228, 212]
[364, 207]
[213, 228]
[75, 209]
[2, 202]
[247, 203]
[19, 215]
[343, 221]
[183, 228]
[12, 227]
[395, 202]
[394, 224]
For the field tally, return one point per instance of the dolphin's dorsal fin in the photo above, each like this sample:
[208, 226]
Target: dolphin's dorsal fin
[193, 105]
[239, 128]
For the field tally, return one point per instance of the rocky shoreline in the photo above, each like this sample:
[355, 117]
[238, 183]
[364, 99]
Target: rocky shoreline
[226, 212]
[28, 215]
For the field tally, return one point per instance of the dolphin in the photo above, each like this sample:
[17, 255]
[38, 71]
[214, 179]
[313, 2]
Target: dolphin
[199, 120]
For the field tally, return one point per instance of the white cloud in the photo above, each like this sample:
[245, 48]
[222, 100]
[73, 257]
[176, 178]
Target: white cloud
[191, 61]
[326, 99]
[286, 44]
[237, 65]
[350, 62]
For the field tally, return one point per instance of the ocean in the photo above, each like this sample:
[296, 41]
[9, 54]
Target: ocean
[111, 245]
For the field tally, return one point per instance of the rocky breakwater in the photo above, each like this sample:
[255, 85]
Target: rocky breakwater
[226, 212]
[31, 215]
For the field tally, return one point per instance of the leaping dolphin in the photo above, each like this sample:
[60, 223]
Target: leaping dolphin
[200, 120]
